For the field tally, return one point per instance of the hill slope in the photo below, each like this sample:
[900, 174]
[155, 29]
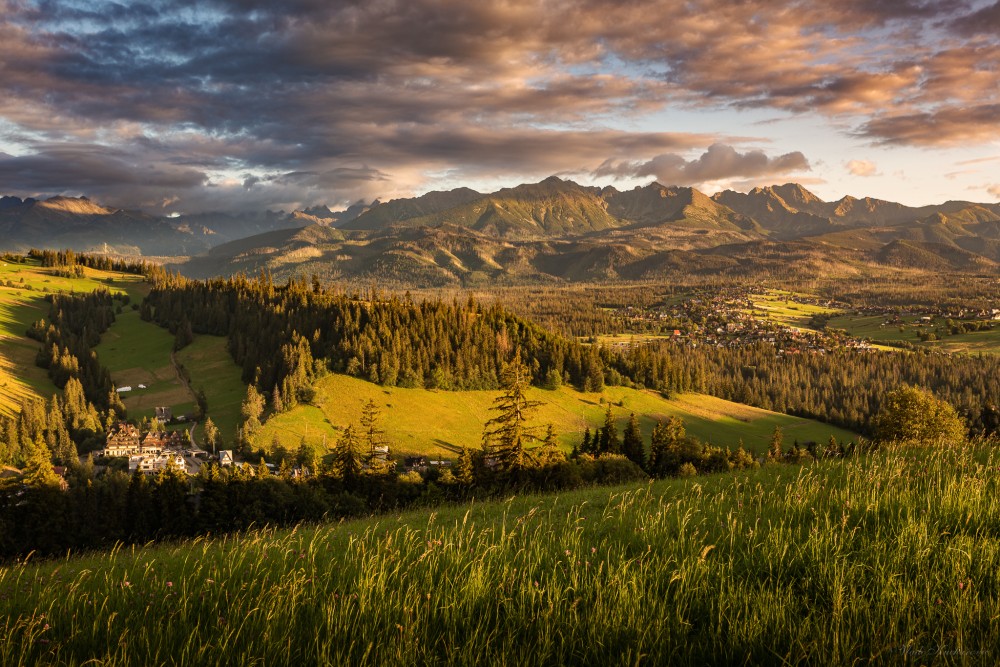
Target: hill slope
[833, 563]
[435, 423]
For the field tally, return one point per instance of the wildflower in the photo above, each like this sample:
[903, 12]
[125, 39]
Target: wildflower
[593, 550]
[567, 552]
[536, 584]
[46, 627]
[170, 584]
[126, 584]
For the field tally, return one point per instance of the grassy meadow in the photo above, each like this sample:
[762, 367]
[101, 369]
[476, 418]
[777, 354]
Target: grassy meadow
[874, 327]
[434, 423]
[780, 308]
[23, 304]
[889, 558]
[138, 352]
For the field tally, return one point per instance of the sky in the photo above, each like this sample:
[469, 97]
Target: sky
[184, 106]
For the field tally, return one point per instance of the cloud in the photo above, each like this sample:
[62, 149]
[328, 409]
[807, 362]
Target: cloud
[65, 167]
[945, 127]
[321, 91]
[994, 190]
[862, 168]
[720, 162]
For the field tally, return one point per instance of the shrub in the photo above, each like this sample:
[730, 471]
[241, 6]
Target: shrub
[915, 415]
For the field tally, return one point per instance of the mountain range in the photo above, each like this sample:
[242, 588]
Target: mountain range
[555, 229]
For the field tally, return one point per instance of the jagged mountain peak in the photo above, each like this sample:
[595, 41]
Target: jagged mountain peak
[74, 205]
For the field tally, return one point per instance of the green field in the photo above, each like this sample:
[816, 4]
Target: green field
[420, 421]
[782, 309]
[874, 327]
[138, 352]
[24, 304]
[212, 370]
[890, 558]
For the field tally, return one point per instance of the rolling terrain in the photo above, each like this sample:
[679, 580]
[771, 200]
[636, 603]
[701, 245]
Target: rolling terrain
[437, 423]
[23, 288]
[140, 353]
[552, 230]
[559, 230]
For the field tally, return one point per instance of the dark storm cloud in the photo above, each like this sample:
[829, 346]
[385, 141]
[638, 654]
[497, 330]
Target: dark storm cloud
[719, 162]
[67, 167]
[408, 88]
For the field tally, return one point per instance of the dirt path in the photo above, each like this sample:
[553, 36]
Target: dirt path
[187, 385]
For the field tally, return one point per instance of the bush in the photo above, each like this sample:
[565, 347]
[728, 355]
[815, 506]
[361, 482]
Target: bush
[915, 415]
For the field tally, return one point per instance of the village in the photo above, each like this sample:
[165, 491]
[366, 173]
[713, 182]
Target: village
[152, 450]
[734, 317]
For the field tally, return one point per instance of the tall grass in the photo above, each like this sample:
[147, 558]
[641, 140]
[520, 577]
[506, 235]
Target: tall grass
[888, 558]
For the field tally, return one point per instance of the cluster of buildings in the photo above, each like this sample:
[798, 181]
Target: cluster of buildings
[148, 452]
[730, 318]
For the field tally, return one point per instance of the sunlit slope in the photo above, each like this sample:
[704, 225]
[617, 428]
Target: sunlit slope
[23, 288]
[422, 421]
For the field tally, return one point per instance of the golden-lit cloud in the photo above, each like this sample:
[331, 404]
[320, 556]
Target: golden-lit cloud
[311, 98]
[862, 168]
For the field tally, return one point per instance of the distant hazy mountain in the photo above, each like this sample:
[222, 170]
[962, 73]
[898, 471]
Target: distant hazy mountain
[79, 223]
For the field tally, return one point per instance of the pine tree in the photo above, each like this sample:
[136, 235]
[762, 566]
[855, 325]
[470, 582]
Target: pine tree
[211, 434]
[774, 449]
[586, 447]
[347, 456]
[608, 442]
[657, 449]
[373, 437]
[550, 453]
[632, 445]
[464, 470]
[38, 465]
[277, 404]
[251, 409]
[507, 436]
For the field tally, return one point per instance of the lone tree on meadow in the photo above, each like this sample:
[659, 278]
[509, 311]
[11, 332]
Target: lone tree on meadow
[374, 437]
[507, 436]
[915, 415]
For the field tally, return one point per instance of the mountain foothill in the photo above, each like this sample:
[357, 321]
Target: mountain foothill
[552, 230]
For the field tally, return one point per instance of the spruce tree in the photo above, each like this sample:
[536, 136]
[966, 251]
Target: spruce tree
[550, 453]
[657, 450]
[506, 437]
[632, 445]
[608, 441]
[38, 465]
[347, 456]
[774, 449]
[251, 409]
[464, 470]
[373, 436]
